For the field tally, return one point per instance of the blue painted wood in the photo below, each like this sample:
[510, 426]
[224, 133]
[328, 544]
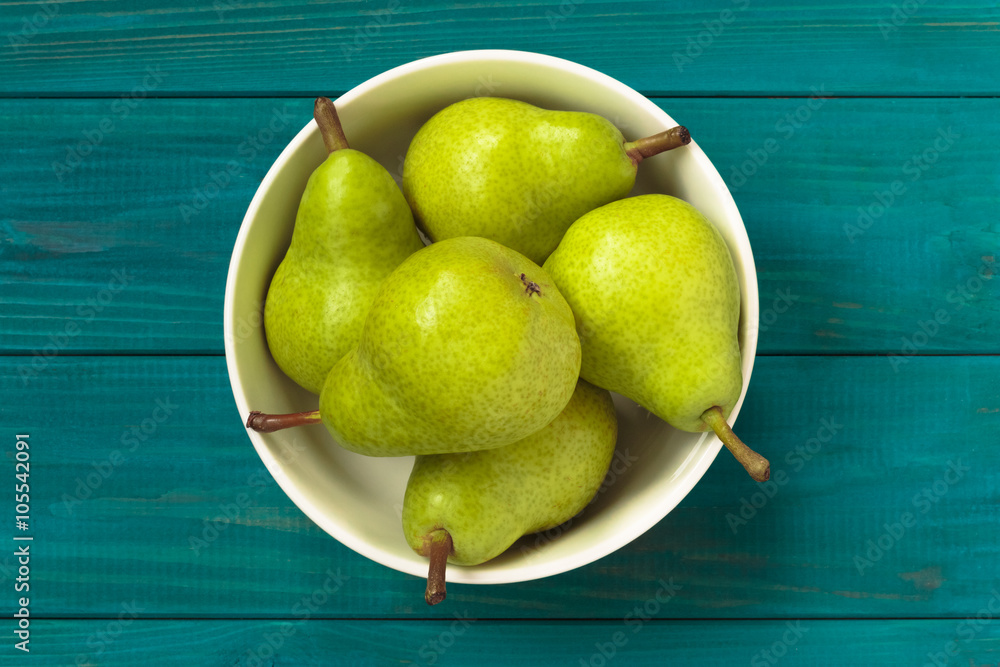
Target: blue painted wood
[128, 252]
[874, 223]
[855, 447]
[729, 47]
[465, 640]
[824, 546]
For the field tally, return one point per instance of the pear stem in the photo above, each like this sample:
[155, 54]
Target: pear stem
[265, 423]
[755, 464]
[328, 121]
[439, 546]
[667, 140]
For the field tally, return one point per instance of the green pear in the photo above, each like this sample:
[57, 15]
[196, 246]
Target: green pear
[657, 302]
[469, 508]
[518, 174]
[353, 227]
[468, 345]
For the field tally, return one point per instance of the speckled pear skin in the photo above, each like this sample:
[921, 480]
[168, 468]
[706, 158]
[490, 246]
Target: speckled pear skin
[457, 354]
[657, 302]
[353, 227]
[488, 499]
[512, 172]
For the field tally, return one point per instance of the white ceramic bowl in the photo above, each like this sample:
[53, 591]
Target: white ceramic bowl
[358, 499]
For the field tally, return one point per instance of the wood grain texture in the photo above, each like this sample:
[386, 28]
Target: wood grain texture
[156, 200]
[132, 457]
[876, 541]
[463, 640]
[729, 47]
[874, 223]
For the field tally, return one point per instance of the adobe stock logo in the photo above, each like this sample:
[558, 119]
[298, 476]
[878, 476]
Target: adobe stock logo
[786, 126]
[713, 30]
[923, 501]
[914, 169]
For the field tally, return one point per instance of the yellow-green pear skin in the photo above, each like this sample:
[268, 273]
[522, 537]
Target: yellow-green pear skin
[655, 293]
[468, 345]
[488, 499]
[513, 172]
[353, 227]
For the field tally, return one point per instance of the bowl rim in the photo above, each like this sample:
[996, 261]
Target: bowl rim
[704, 451]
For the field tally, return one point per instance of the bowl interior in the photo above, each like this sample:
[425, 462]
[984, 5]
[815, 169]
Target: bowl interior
[358, 499]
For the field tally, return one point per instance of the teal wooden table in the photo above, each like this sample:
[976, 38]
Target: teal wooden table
[862, 145]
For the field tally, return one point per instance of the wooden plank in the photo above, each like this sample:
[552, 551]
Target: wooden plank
[871, 221]
[464, 640]
[97, 236]
[883, 503]
[127, 249]
[720, 47]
